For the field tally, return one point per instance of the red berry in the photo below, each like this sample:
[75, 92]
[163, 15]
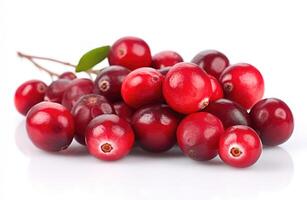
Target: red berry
[240, 146]
[123, 110]
[109, 81]
[213, 62]
[273, 120]
[187, 88]
[166, 59]
[142, 86]
[87, 108]
[56, 90]
[243, 83]
[76, 89]
[68, 76]
[217, 90]
[229, 112]
[198, 135]
[28, 94]
[109, 137]
[164, 70]
[50, 126]
[130, 52]
[155, 127]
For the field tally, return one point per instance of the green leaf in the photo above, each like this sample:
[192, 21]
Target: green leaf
[92, 58]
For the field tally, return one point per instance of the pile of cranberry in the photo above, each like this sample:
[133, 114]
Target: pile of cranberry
[156, 102]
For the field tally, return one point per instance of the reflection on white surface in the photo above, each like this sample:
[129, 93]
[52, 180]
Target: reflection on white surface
[150, 176]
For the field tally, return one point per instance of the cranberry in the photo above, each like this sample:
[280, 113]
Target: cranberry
[109, 81]
[28, 94]
[273, 120]
[217, 90]
[198, 135]
[213, 62]
[229, 112]
[155, 127]
[164, 70]
[142, 86]
[50, 126]
[187, 88]
[109, 137]
[76, 89]
[165, 59]
[243, 83]
[123, 110]
[130, 52]
[56, 90]
[87, 108]
[240, 146]
[68, 76]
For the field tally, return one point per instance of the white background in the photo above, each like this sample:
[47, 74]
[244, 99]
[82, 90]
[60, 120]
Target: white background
[271, 35]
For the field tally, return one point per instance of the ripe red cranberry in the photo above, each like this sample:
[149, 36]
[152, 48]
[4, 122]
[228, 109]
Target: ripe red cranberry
[142, 86]
[217, 90]
[198, 135]
[164, 70]
[165, 59]
[130, 52]
[56, 90]
[155, 127]
[187, 88]
[229, 112]
[242, 83]
[109, 81]
[240, 146]
[68, 76]
[109, 137]
[123, 110]
[28, 94]
[50, 126]
[212, 61]
[87, 108]
[76, 89]
[273, 120]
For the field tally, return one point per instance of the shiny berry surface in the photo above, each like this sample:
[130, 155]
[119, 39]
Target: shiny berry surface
[28, 94]
[198, 135]
[87, 108]
[130, 52]
[123, 110]
[187, 88]
[109, 137]
[142, 86]
[166, 59]
[273, 120]
[50, 126]
[68, 76]
[155, 127]
[240, 146]
[56, 89]
[217, 90]
[243, 83]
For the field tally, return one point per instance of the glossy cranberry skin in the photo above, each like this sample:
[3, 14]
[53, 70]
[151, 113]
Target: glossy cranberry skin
[29, 94]
[123, 110]
[76, 89]
[187, 88]
[68, 76]
[240, 146]
[50, 126]
[217, 90]
[164, 70]
[243, 83]
[212, 61]
[229, 112]
[87, 108]
[142, 86]
[56, 89]
[273, 120]
[130, 52]
[165, 59]
[108, 137]
[109, 81]
[198, 135]
[155, 127]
